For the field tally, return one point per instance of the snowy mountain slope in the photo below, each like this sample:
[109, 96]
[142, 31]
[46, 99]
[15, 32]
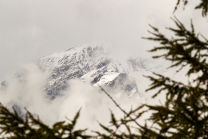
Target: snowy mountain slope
[91, 63]
[46, 87]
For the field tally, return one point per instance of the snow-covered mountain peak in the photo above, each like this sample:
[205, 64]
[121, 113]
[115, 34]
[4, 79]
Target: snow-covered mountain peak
[80, 54]
[91, 63]
[88, 62]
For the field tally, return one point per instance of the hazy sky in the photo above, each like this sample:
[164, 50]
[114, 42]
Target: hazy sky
[30, 29]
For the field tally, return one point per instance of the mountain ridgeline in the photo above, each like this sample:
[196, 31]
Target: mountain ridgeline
[90, 63]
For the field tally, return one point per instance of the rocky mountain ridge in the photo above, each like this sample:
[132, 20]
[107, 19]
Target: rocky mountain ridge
[91, 63]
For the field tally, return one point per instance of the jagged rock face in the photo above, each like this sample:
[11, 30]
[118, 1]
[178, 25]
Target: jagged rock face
[90, 63]
[4, 84]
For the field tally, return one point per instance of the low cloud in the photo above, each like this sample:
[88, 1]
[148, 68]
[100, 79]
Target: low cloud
[28, 92]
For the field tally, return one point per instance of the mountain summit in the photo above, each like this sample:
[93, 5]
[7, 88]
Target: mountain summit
[90, 63]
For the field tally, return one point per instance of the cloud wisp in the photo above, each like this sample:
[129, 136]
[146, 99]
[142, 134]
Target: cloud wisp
[27, 91]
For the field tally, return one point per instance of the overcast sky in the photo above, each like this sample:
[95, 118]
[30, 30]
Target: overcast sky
[30, 29]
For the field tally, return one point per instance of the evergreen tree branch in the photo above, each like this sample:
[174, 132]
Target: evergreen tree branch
[187, 49]
[202, 5]
[120, 107]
